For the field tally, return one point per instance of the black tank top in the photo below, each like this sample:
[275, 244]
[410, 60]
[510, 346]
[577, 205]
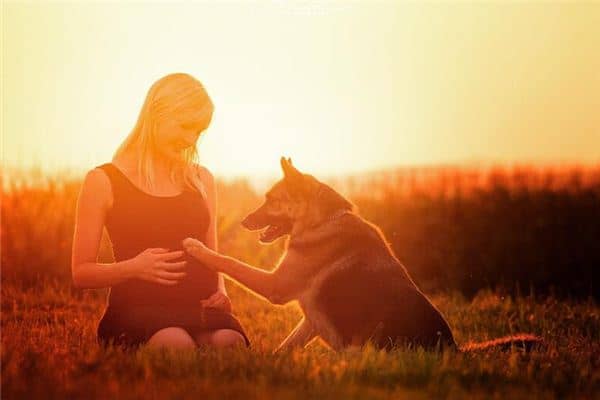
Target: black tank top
[139, 220]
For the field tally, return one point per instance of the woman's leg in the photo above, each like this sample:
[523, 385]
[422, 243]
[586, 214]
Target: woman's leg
[172, 336]
[221, 338]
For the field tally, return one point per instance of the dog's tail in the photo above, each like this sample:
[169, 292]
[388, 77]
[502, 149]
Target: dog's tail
[523, 341]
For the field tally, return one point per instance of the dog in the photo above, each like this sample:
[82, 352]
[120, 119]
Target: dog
[341, 270]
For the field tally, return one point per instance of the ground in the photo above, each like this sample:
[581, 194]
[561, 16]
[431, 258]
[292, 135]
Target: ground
[49, 351]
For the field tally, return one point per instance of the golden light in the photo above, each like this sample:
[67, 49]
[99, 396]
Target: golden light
[338, 87]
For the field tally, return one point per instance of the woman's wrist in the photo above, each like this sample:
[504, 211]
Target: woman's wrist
[129, 269]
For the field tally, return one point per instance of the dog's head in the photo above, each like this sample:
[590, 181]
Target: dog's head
[295, 199]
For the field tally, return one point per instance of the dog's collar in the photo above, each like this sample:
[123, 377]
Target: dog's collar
[299, 242]
[336, 214]
[330, 218]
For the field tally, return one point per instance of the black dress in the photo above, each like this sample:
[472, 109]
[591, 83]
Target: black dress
[136, 309]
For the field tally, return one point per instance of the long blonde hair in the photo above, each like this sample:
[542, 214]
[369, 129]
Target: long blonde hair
[177, 96]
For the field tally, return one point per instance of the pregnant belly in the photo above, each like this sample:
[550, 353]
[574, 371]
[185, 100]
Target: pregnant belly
[199, 283]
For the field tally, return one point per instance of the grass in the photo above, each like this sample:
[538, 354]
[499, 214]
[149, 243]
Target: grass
[525, 232]
[49, 351]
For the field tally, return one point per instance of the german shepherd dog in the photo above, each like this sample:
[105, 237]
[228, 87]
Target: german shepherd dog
[339, 267]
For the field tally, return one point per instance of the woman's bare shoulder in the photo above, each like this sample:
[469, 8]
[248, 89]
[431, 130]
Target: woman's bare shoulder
[205, 174]
[97, 187]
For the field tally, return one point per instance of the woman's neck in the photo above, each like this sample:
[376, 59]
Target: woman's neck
[161, 166]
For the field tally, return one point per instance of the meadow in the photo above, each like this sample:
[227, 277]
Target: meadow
[500, 251]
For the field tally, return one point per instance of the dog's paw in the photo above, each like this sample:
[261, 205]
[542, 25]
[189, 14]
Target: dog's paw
[192, 246]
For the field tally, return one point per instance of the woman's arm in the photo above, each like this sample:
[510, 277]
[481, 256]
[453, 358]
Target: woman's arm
[211, 236]
[92, 203]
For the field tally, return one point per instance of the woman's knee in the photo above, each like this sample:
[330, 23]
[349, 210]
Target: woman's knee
[172, 336]
[227, 337]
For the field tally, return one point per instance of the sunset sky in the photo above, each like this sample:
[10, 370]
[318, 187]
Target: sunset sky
[339, 87]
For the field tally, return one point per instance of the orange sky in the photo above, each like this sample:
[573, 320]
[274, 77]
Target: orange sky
[338, 87]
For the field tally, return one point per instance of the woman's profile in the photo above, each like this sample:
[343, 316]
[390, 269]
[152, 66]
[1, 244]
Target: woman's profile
[151, 196]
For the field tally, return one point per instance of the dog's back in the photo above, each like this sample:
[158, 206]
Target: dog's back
[371, 296]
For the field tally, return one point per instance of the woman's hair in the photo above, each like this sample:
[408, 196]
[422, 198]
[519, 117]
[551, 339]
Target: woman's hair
[179, 97]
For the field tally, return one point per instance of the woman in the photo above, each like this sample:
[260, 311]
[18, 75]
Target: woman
[150, 197]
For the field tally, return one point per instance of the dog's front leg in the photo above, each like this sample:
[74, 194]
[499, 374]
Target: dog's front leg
[326, 331]
[299, 337]
[257, 280]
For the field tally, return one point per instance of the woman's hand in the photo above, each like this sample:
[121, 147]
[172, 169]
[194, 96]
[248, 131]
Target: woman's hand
[199, 250]
[218, 300]
[151, 265]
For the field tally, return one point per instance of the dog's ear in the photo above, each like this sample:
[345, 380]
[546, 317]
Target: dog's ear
[289, 171]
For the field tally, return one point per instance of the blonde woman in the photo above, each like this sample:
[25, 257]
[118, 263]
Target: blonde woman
[150, 197]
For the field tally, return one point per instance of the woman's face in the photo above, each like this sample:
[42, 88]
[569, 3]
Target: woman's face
[175, 135]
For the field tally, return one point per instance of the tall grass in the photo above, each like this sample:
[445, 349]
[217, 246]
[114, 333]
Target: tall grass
[520, 228]
[459, 232]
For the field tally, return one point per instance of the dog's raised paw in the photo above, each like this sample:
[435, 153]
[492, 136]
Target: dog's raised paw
[189, 244]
